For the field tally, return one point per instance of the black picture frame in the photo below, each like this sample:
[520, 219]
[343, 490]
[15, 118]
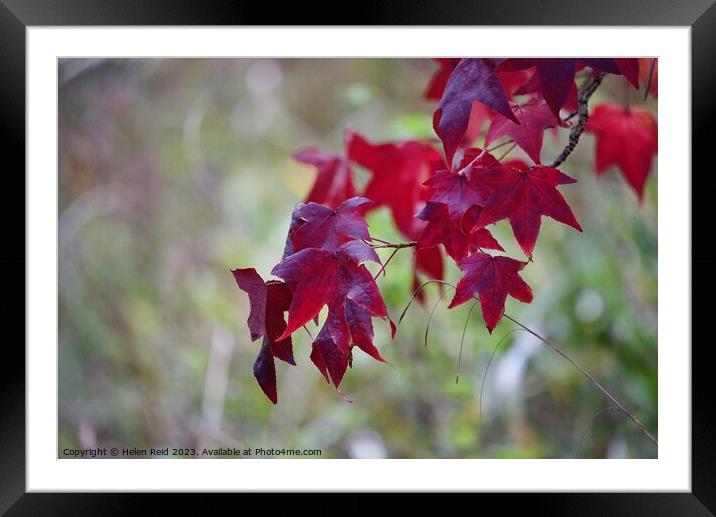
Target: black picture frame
[17, 15]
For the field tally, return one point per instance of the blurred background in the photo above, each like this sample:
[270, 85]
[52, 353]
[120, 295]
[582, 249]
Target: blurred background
[173, 171]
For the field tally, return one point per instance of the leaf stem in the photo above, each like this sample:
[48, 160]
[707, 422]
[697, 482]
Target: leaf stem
[385, 264]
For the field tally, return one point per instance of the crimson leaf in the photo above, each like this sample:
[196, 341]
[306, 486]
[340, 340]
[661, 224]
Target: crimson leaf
[523, 196]
[626, 137]
[268, 300]
[325, 277]
[491, 279]
[472, 80]
[334, 181]
[534, 117]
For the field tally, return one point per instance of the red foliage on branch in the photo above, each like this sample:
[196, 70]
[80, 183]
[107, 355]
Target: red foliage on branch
[442, 202]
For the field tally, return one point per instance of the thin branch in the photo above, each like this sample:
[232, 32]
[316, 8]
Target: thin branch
[585, 92]
[584, 372]
[395, 245]
[389, 245]
[559, 352]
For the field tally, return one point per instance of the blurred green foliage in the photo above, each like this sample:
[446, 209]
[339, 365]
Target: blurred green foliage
[174, 171]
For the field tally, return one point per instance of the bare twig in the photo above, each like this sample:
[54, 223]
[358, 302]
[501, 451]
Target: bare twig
[559, 352]
[585, 92]
[397, 246]
[584, 372]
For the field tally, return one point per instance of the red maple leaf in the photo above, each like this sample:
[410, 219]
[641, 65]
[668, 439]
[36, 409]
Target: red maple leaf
[268, 300]
[472, 80]
[330, 360]
[325, 277]
[556, 75]
[346, 326]
[524, 195]
[510, 80]
[339, 280]
[534, 117]
[459, 191]
[459, 238]
[533, 87]
[398, 170]
[319, 226]
[629, 68]
[626, 137]
[334, 181]
[491, 279]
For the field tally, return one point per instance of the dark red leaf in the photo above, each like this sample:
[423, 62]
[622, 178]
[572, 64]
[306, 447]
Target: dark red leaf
[534, 117]
[265, 371]
[398, 171]
[460, 191]
[556, 75]
[347, 325]
[627, 138]
[491, 279]
[296, 222]
[334, 181]
[361, 328]
[473, 80]
[250, 281]
[328, 228]
[328, 358]
[326, 277]
[268, 300]
[533, 87]
[430, 262]
[523, 196]
[513, 81]
[629, 68]
[457, 239]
